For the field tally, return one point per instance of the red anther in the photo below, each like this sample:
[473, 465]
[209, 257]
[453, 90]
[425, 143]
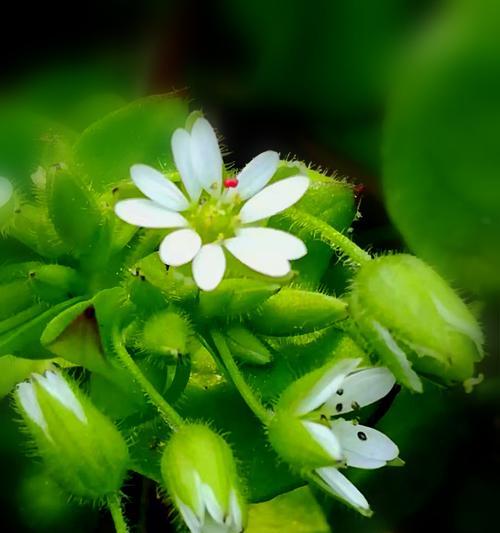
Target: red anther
[231, 183]
[359, 189]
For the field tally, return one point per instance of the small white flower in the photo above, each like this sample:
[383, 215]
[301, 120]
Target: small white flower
[215, 217]
[55, 385]
[209, 516]
[341, 390]
[6, 191]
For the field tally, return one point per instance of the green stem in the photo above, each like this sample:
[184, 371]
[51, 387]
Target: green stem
[327, 234]
[115, 508]
[168, 413]
[238, 380]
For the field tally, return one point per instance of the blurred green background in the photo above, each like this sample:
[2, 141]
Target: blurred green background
[402, 97]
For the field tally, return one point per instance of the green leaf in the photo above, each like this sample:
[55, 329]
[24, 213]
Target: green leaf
[14, 369]
[137, 133]
[295, 512]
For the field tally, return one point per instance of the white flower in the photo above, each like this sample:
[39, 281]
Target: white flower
[208, 516]
[213, 215]
[6, 191]
[341, 390]
[55, 385]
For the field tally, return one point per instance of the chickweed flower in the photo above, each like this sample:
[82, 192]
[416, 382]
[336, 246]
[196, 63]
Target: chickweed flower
[82, 449]
[219, 211]
[309, 432]
[200, 475]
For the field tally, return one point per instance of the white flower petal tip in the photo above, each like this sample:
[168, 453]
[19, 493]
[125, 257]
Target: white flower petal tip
[6, 191]
[257, 173]
[274, 241]
[58, 388]
[274, 198]
[158, 188]
[180, 247]
[209, 266]
[340, 487]
[148, 214]
[181, 150]
[325, 438]
[29, 402]
[206, 158]
[360, 388]
[364, 447]
[326, 386]
[248, 251]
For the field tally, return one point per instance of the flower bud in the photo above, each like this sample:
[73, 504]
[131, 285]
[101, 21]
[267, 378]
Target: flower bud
[246, 347]
[295, 311]
[199, 472]
[83, 450]
[234, 297]
[413, 320]
[165, 334]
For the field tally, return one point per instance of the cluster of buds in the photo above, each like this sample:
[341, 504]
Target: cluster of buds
[309, 432]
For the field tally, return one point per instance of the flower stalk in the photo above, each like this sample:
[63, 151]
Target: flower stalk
[115, 508]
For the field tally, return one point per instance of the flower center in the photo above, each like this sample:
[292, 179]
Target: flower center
[214, 221]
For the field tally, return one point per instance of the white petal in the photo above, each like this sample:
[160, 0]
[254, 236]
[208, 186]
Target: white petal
[363, 441]
[6, 191]
[235, 512]
[29, 402]
[249, 252]
[189, 517]
[158, 188]
[325, 438]
[181, 149]
[180, 247]
[274, 240]
[209, 266]
[206, 157]
[211, 504]
[361, 388]
[59, 389]
[341, 487]
[147, 214]
[274, 199]
[257, 173]
[326, 385]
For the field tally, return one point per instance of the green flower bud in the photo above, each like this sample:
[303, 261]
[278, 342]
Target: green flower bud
[199, 472]
[83, 450]
[246, 347]
[414, 321]
[233, 297]
[295, 311]
[165, 334]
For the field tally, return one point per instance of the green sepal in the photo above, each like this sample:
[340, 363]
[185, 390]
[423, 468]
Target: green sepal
[296, 311]
[73, 209]
[56, 282]
[234, 297]
[246, 347]
[15, 369]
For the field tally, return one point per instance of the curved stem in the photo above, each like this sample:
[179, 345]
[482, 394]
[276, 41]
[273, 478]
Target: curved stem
[181, 378]
[115, 508]
[168, 413]
[238, 380]
[327, 234]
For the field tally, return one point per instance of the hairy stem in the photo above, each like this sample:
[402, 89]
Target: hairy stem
[327, 234]
[115, 508]
[238, 380]
[167, 412]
